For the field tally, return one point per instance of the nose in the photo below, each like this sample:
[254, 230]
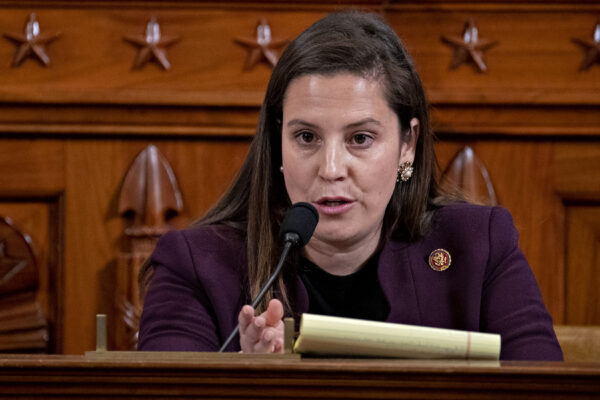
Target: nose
[333, 165]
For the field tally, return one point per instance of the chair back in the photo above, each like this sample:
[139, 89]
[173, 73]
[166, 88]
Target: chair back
[579, 343]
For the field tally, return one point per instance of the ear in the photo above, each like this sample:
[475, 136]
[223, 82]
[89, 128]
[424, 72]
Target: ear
[408, 145]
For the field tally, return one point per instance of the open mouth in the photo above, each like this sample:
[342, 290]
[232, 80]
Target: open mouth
[333, 203]
[336, 202]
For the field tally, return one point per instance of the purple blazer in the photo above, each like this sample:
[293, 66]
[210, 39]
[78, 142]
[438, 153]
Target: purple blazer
[200, 285]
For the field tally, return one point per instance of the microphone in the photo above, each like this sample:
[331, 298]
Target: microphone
[299, 224]
[297, 228]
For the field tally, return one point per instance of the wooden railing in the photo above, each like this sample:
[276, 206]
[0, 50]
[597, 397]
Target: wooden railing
[197, 375]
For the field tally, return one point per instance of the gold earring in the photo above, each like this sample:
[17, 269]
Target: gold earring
[405, 171]
[281, 169]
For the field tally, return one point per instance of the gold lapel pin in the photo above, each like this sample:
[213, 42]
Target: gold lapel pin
[439, 260]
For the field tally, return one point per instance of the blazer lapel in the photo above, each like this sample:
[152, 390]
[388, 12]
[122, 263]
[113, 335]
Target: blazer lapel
[398, 283]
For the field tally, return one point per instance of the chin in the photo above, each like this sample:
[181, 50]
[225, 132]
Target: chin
[334, 235]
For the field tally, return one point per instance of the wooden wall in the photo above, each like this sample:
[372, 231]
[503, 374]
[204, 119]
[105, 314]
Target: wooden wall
[70, 132]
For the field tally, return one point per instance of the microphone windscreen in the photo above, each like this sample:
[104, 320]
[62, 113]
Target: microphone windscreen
[301, 219]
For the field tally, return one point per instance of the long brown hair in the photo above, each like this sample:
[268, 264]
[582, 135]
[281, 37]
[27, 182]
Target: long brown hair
[348, 41]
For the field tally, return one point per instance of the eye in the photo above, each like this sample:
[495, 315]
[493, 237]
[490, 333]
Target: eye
[305, 137]
[362, 139]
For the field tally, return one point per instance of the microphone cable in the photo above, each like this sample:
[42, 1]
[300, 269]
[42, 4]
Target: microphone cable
[297, 228]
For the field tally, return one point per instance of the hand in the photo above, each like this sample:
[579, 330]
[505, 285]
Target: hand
[264, 333]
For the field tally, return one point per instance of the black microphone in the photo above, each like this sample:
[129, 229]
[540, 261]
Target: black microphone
[297, 228]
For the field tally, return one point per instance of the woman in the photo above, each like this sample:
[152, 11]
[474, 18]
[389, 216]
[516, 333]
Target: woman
[344, 126]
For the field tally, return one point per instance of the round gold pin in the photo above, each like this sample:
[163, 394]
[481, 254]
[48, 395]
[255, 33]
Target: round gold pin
[439, 260]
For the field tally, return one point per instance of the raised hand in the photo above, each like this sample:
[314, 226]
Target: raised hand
[263, 333]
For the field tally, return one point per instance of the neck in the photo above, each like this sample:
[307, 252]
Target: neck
[341, 258]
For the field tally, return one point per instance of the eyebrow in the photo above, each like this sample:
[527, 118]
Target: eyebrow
[297, 121]
[363, 121]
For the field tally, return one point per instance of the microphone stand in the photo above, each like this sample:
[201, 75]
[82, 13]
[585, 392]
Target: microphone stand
[290, 240]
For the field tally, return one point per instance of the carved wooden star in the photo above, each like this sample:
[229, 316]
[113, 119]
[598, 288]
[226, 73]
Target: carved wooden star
[262, 47]
[31, 42]
[152, 46]
[470, 47]
[592, 48]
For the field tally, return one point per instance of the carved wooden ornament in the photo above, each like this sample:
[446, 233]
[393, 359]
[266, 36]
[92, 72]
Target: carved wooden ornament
[152, 46]
[31, 42]
[591, 47]
[469, 47]
[261, 47]
[467, 176]
[18, 267]
[23, 325]
[151, 195]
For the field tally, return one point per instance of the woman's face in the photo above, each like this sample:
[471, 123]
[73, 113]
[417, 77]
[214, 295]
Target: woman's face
[341, 150]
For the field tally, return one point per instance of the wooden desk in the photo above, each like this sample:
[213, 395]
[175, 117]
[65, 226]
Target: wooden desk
[242, 376]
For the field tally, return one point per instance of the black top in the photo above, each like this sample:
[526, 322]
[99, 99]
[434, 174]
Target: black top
[358, 295]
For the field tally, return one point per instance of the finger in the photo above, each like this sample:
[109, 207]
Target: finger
[254, 330]
[274, 312]
[245, 318]
[268, 340]
[278, 347]
[252, 334]
[263, 345]
[278, 342]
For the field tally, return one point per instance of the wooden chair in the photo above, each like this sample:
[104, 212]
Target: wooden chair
[579, 343]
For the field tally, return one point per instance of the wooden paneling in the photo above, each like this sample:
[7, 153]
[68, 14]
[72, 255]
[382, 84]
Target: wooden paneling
[535, 61]
[35, 219]
[91, 62]
[583, 258]
[517, 120]
[576, 176]
[521, 174]
[95, 172]
[552, 190]
[39, 219]
[137, 120]
[576, 172]
[31, 167]
[31, 187]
